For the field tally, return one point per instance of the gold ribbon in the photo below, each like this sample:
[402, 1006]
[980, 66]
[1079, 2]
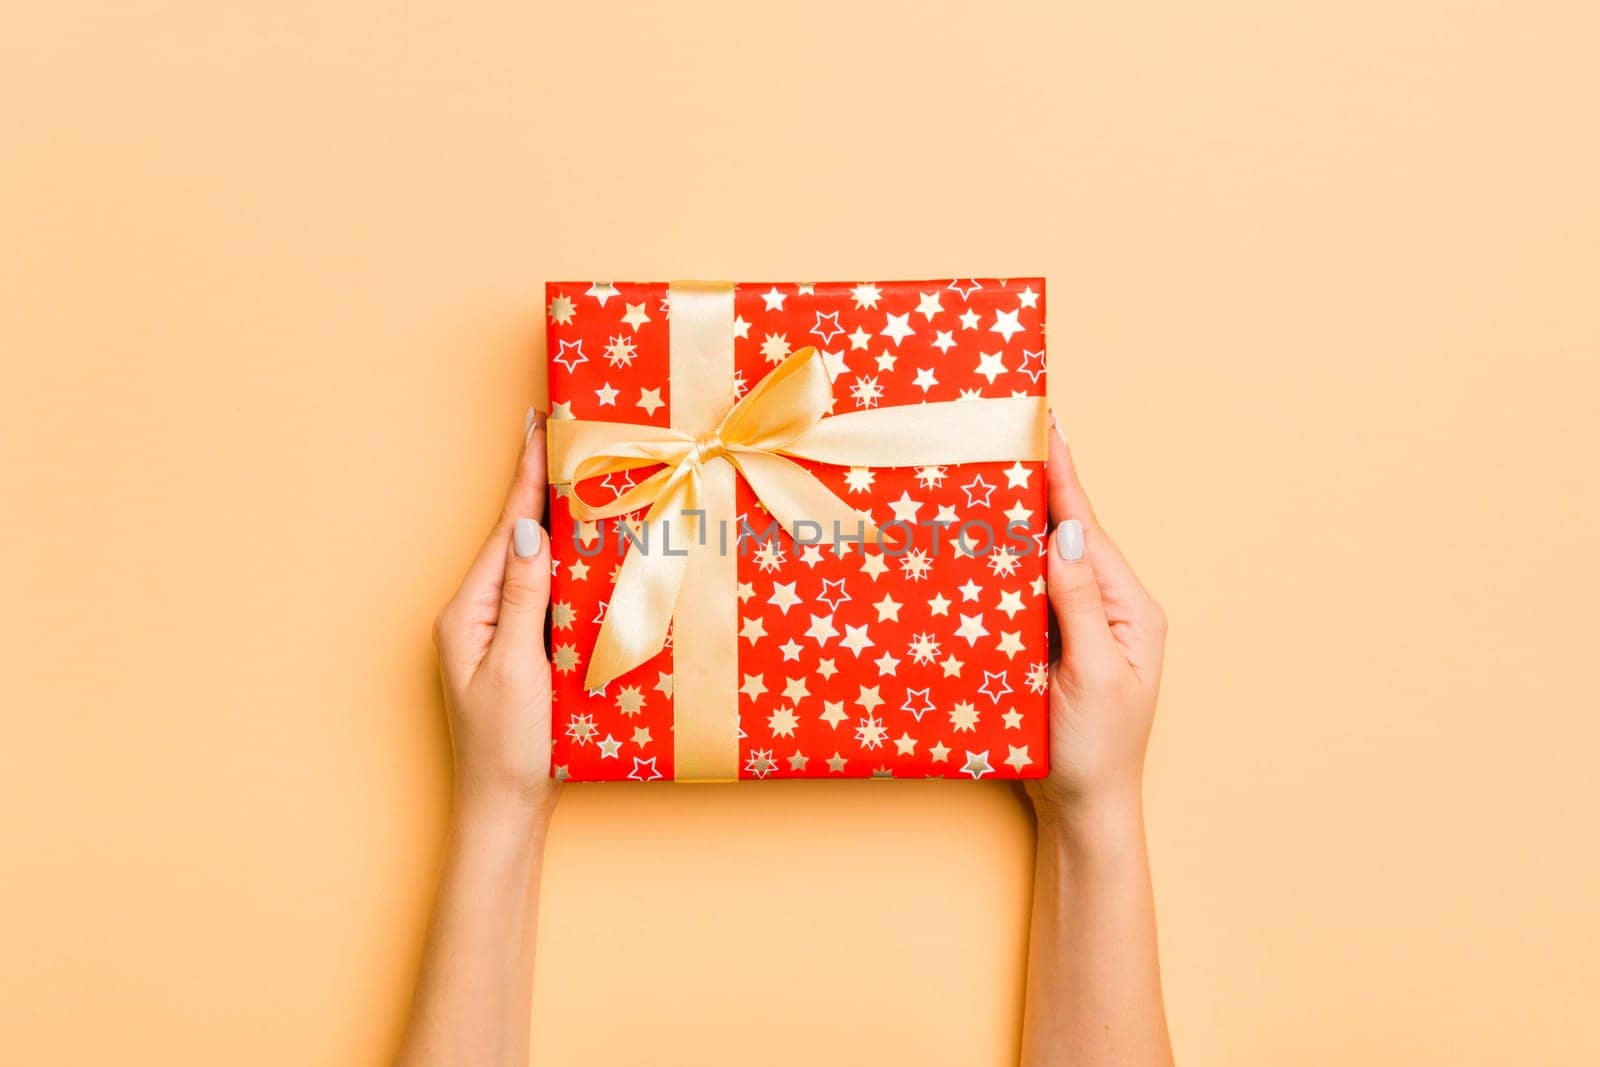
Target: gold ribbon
[782, 418]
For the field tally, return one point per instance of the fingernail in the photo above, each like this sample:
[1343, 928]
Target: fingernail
[1069, 540]
[530, 422]
[526, 537]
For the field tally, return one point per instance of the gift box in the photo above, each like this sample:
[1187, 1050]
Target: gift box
[798, 530]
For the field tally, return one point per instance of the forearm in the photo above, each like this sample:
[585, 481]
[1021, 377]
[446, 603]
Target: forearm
[475, 992]
[1094, 984]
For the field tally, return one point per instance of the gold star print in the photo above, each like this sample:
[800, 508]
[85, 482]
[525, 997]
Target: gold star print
[952, 666]
[782, 722]
[754, 629]
[664, 683]
[562, 410]
[836, 763]
[1011, 642]
[886, 664]
[826, 668]
[641, 736]
[1018, 757]
[869, 698]
[561, 310]
[1011, 603]
[833, 712]
[795, 689]
[964, 716]
[798, 761]
[905, 744]
[609, 747]
[978, 764]
[630, 700]
[565, 659]
[1013, 719]
[635, 316]
[650, 400]
[561, 615]
[939, 752]
[579, 570]
[754, 685]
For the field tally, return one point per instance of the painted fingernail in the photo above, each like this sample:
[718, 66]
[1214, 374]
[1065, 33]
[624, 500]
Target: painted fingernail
[530, 422]
[1069, 540]
[526, 537]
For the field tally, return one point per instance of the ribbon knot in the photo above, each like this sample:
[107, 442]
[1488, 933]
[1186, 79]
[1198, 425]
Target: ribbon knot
[707, 447]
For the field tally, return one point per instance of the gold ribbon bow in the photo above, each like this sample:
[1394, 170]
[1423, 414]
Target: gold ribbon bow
[782, 418]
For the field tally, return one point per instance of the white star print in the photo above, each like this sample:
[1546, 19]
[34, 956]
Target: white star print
[918, 703]
[905, 509]
[994, 684]
[784, 597]
[570, 355]
[827, 326]
[971, 628]
[1006, 324]
[822, 629]
[650, 400]
[974, 488]
[644, 770]
[866, 295]
[991, 365]
[929, 306]
[897, 328]
[925, 379]
[774, 298]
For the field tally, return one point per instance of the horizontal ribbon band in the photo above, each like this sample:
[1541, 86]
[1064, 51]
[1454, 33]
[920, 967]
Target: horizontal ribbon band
[783, 418]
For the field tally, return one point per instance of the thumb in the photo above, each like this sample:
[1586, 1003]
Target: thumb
[1075, 598]
[524, 592]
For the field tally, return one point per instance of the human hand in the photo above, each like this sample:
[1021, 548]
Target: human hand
[490, 638]
[1103, 688]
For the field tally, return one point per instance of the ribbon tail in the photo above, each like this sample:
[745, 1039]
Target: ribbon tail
[640, 612]
[793, 495]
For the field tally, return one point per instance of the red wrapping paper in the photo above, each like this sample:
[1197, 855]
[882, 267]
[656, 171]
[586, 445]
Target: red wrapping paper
[923, 662]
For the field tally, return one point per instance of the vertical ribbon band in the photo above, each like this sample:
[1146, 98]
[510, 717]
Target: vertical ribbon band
[705, 681]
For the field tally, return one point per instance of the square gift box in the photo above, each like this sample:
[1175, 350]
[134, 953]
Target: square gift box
[798, 530]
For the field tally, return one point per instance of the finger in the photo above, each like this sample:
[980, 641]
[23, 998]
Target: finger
[1086, 641]
[1067, 498]
[524, 592]
[466, 625]
[525, 499]
[1129, 607]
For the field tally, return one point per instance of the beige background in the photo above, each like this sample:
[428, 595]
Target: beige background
[1325, 332]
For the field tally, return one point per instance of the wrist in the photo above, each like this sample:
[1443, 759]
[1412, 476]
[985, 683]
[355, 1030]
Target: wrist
[1109, 820]
[502, 813]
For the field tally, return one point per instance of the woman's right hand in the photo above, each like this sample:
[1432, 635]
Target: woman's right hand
[1103, 688]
